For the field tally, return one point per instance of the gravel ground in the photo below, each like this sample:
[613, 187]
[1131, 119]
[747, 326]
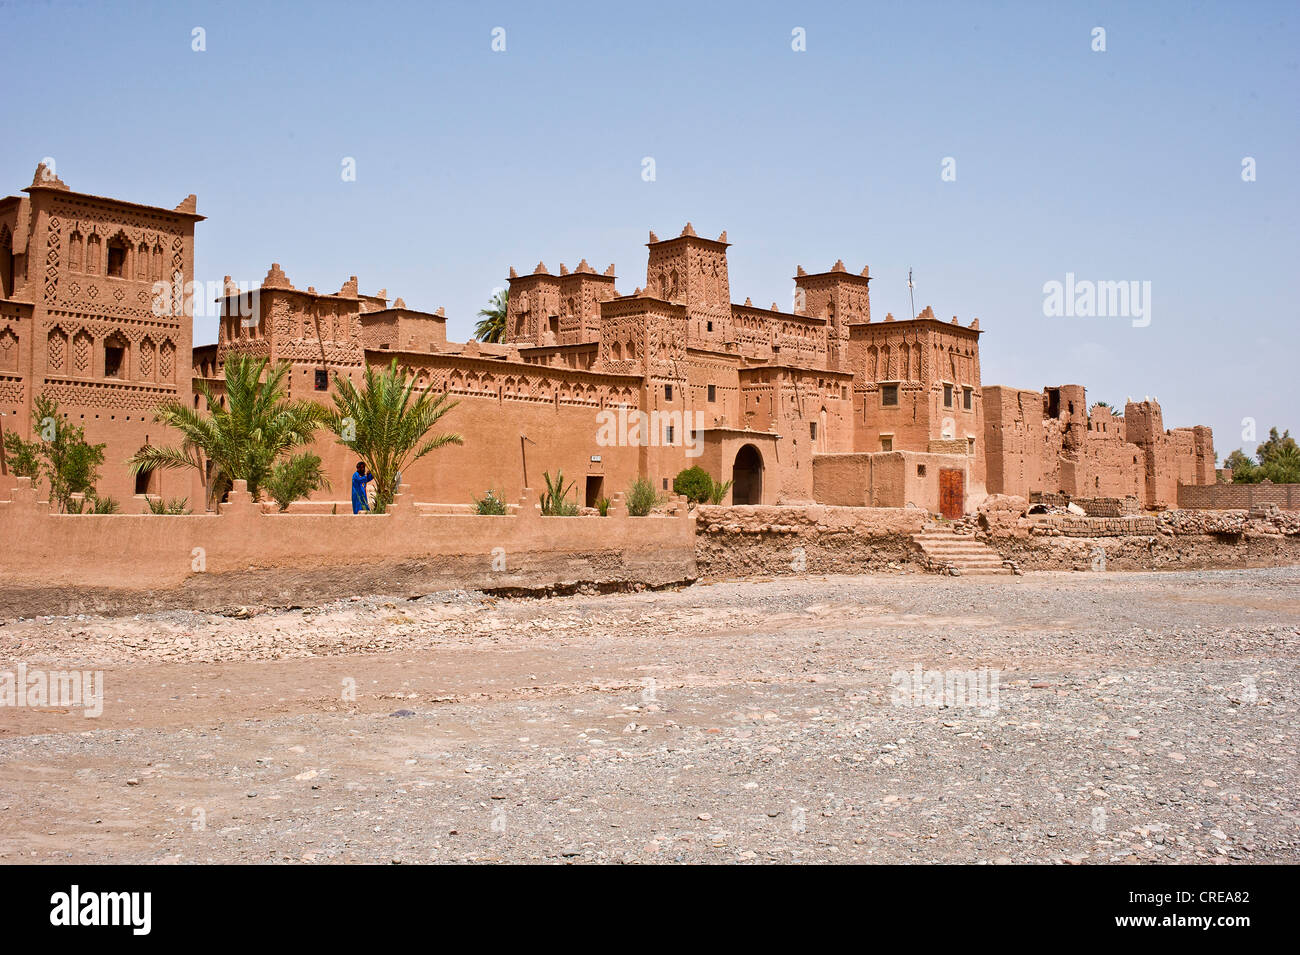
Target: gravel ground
[1137, 718]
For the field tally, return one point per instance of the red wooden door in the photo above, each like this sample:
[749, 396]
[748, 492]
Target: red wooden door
[952, 493]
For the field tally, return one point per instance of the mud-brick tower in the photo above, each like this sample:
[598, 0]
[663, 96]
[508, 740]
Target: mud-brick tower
[840, 297]
[545, 309]
[96, 313]
[691, 271]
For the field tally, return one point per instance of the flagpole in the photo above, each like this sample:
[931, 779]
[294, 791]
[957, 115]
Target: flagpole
[910, 296]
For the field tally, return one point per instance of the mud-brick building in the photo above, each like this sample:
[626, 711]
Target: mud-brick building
[82, 320]
[819, 403]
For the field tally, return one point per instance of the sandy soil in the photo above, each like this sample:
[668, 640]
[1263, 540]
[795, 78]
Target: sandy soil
[1139, 718]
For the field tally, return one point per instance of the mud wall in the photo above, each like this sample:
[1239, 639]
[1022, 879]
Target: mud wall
[68, 563]
[819, 539]
[1237, 496]
[1170, 540]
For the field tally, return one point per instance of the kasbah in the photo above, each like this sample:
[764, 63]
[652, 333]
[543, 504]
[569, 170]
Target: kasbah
[816, 405]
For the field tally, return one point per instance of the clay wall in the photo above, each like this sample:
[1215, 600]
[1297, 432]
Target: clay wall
[68, 563]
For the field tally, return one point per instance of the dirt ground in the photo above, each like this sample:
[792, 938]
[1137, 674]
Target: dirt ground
[1138, 717]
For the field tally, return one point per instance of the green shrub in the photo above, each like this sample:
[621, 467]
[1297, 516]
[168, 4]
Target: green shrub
[59, 453]
[93, 504]
[718, 492]
[490, 504]
[174, 506]
[555, 499]
[694, 483]
[602, 506]
[294, 478]
[641, 497]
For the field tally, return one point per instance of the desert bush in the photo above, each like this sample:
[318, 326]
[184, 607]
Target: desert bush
[718, 492]
[92, 503]
[294, 478]
[60, 454]
[174, 506]
[490, 504]
[555, 499]
[641, 497]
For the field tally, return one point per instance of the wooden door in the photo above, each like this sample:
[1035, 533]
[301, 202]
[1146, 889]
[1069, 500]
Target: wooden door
[952, 493]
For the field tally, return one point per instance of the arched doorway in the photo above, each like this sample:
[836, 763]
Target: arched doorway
[747, 476]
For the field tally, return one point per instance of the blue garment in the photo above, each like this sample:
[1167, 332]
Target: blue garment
[359, 500]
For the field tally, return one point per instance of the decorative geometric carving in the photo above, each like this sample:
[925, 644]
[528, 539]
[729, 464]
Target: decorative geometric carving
[116, 395]
[8, 350]
[82, 346]
[56, 349]
[166, 360]
[146, 357]
[52, 258]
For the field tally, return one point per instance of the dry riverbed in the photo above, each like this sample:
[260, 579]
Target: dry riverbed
[1137, 717]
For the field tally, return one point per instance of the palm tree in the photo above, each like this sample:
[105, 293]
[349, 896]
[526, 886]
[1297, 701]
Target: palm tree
[492, 320]
[243, 441]
[387, 426]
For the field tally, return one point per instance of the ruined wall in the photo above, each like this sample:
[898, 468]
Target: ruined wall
[1016, 442]
[1051, 442]
[741, 541]
[1171, 540]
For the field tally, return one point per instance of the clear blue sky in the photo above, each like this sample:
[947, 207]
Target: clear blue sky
[1122, 165]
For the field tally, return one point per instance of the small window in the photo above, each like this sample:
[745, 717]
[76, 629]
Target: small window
[668, 392]
[713, 392]
[665, 484]
[710, 325]
[116, 259]
[114, 361]
[970, 445]
[322, 379]
[844, 392]
[812, 430]
[947, 396]
[886, 442]
[668, 434]
[920, 470]
[967, 398]
[889, 395]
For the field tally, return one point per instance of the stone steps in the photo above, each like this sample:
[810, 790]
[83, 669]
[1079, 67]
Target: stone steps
[945, 548]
